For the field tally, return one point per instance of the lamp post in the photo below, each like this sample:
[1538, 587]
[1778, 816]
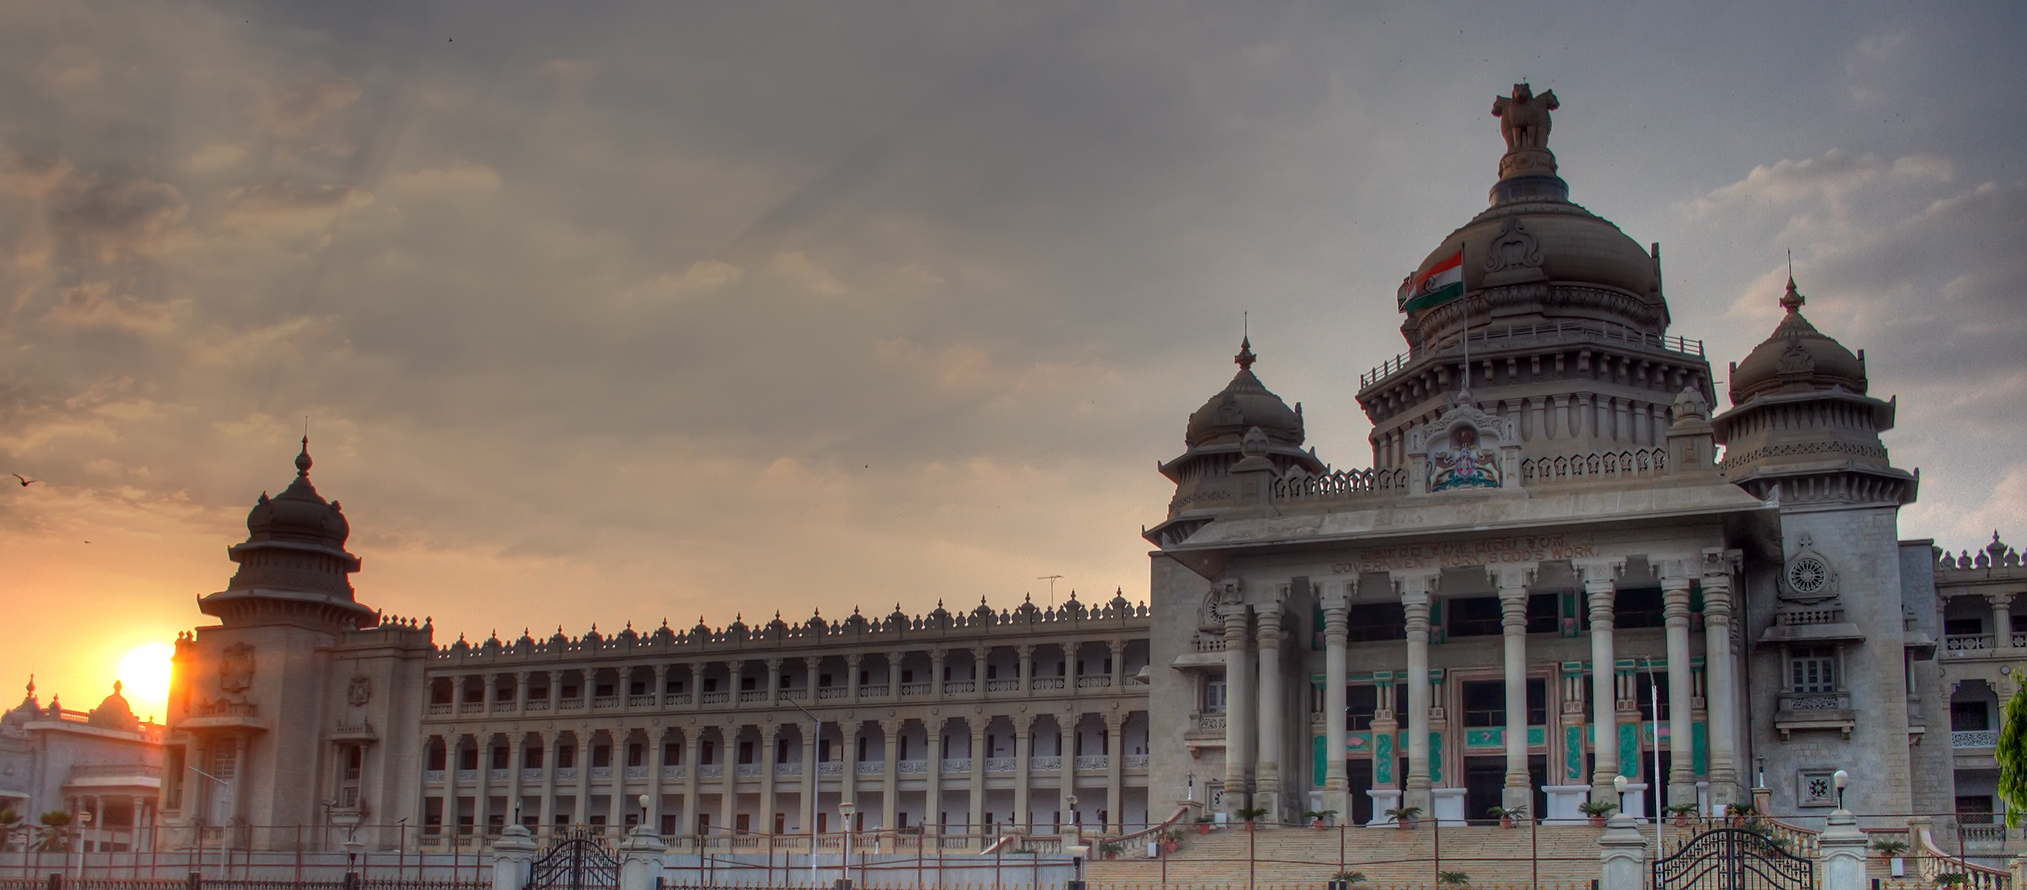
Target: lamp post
[1841, 778]
[847, 809]
[84, 820]
[1619, 785]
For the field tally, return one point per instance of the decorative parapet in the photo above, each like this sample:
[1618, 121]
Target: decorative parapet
[1602, 465]
[1338, 484]
[897, 629]
[1489, 340]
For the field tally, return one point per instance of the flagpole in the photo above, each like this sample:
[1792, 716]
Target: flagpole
[1463, 263]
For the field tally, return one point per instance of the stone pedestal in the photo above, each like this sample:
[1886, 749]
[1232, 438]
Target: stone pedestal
[1842, 847]
[513, 854]
[1446, 805]
[1563, 801]
[1383, 799]
[1634, 802]
[640, 859]
[1622, 856]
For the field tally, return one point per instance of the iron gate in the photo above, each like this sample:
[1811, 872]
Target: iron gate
[1734, 859]
[578, 863]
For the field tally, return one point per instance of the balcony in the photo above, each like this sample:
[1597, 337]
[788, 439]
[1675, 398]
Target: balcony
[912, 767]
[879, 691]
[601, 773]
[535, 704]
[432, 777]
[870, 768]
[909, 689]
[960, 687]
[956, 765]
[467, 775]
[830, 692]
[672, 771]
[1210, 722]
[472, 707]
[570, 704]
[640, 701]
[748, 771]
[438, 710]
[1046, 683]
[498, 775]
[717, 698]
[605, 701]
[711, 771]
[636, 772]
[831, 768]
[1136, 761]
[1814, 711]
[1045, 764]
[531, 774]
[1093, 682]
[792, 768]
[1093, 761]
[999, 764]
[1960, 645]
[752, 695]
[1974, 738]
[794, 694]
[566, 774]
[1002, 685]
[676, 698]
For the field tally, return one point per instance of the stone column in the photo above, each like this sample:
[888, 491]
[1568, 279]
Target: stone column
[1027, 654]
[975, 818]
[1267, 770]
[735, 675]
[2002, 619]
[890, 783]
[936, 659]
[848, 755]
[932, 797]
[693, 755]
[1118, 663]
[1386, 727]
[616, 805]
[812, 787]
[1066, 750]
[1024, 725]
[1622, 855]
[728, 782]
[1602, 592]
[1681, 686]
[1842, 847]
[852, 663]
[657, 757]
[547, 817]
[661, 681]
[515, 754]
[1720, 694]
[1115, 766]
[1415, 600]
[769, 735]
[520, 692]
[482, 779]
[1336, 631]
[773, 682]
[809, 666]
[1238, 699]
[1070, 672]
[1517, 792]
[512, 854]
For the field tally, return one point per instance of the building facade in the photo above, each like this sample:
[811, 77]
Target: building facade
[104, 765]
[1562, 566]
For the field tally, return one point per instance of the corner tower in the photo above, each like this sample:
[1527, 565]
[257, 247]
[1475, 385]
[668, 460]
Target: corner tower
[1217, 437]
[1827, 636]
[296, 709]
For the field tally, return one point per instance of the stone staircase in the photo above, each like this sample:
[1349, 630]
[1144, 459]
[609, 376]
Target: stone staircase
[1304, 857]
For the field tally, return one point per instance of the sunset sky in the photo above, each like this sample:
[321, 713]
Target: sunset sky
[608, 313]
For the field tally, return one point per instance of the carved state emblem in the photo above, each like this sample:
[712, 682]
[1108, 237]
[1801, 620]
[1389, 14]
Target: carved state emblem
[235, 669]
[360, 691]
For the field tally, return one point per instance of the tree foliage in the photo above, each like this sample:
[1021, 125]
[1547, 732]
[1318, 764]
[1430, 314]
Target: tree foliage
[2012, 754]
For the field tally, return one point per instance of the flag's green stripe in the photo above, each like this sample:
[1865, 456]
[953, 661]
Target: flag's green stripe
[1434, 298]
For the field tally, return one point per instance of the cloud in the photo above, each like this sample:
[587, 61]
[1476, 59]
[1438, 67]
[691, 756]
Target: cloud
[459, 177]
[1829, 177]
[68, 68]
[799, 269]
[297, 113]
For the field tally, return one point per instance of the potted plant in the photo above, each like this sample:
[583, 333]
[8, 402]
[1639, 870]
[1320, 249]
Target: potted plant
[1249, 814]
[1345, 880]
[1506, 816]
[1889, 848]
[1316, 817]
[1171, 840]
[1109, 849]
[1452, 879]
[1952, 879]
[1205, 823]
[1681, 812]
[1404, 817]
[1597, 810]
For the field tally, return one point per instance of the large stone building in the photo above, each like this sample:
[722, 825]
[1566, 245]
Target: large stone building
[1550, 576]
[104, 764]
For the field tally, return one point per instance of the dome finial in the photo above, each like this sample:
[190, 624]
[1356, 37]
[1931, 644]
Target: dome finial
[1793, 299]
[303, 457]
[1245, 358]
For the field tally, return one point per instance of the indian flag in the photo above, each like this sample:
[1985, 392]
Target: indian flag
[1442, 283]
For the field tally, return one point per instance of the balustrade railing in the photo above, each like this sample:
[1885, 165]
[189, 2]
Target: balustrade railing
[472, 707]
[432, 777]
[1597, 465]
[1974, 738]
[601, 773]
[1214, 722]
[831, 768]
[1002, 685]
[999, 764]
[791, 768]
[711, 771]
[830, 692]
[672, 771]
[956, 765]
[531, 774]
[1043, 683]
[1045, 764]
[640, 701]
[1098, 682]
[879, 691]
[605, 701]
[438, 709]
[960, 687]
[1093, 761]
[1967, 642]
[911, 767]
[748, 771]
[676, 698]
[566, 773]
[1136, 761]
[570, 704]
[1299, 485]
[752, 695]
[467, 775]
[535, 704]
[496, 775]
[870, 768]
[716, 698]
[1491, 339]
[915, 689]
[636, 772]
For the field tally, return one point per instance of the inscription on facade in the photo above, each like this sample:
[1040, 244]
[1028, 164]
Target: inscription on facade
[1482, 551]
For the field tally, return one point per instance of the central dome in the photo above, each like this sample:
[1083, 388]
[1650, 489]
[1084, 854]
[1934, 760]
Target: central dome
[1533, 257]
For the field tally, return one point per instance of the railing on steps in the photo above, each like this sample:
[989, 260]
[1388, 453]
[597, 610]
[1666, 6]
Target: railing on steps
[1152, 830]
[1932, 860]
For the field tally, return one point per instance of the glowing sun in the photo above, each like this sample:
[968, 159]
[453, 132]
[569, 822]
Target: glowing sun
[144, 672]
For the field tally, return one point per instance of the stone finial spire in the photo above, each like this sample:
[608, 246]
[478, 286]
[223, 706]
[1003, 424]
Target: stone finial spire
[303, 458]
[1792, 300]
[1245, 358]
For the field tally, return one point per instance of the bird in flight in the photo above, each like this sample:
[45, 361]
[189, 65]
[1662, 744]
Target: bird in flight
[25, 481]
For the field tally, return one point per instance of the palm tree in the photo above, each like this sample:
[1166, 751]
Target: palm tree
[2012, 754]
[55, 832]
[10, 822]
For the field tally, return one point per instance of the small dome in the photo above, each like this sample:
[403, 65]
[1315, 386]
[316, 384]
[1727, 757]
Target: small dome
[1796, 358]
[1243, 404]
[114, 713]
[298, 514]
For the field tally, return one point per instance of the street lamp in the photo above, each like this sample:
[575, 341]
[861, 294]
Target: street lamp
[1619, 785]
[847, 809]
[1841, 778]
[84, 819]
